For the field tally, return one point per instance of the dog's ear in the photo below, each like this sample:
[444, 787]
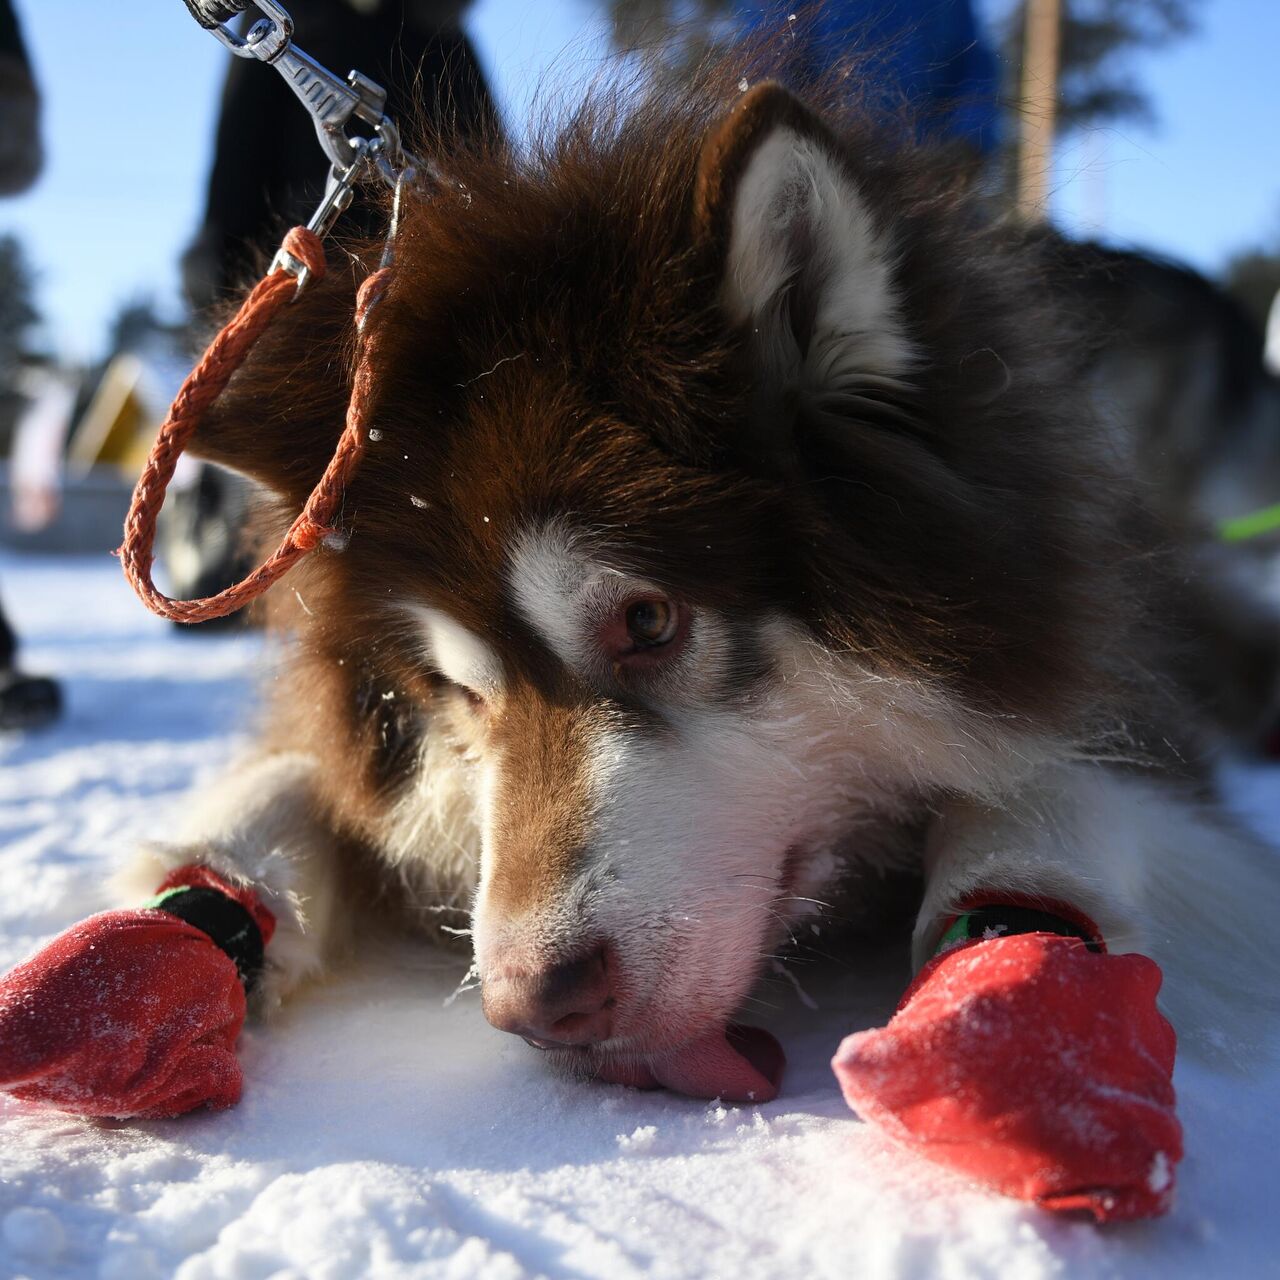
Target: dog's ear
[280, 417]
[805, 271]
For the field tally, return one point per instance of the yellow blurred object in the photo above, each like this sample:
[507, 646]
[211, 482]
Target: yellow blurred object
[121, 421]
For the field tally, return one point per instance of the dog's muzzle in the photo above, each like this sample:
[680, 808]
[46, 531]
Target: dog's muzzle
[567, 1003]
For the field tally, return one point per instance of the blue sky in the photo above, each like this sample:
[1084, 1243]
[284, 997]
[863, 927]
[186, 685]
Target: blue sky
[132, 91]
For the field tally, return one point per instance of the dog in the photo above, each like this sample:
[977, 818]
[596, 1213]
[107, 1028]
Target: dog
[1177, 365]
[1181, 361]
[732, 532]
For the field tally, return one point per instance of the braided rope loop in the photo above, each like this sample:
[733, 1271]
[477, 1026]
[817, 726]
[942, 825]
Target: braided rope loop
[202, 387]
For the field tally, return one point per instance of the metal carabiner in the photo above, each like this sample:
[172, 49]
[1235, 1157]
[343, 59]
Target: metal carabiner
[331, 102]
[339, 191]
[383, 154]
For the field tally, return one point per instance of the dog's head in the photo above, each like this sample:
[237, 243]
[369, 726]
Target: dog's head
[705, 515]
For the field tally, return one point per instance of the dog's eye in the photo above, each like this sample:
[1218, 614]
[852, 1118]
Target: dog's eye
[652, 622]
[471, 698]
[644, 631]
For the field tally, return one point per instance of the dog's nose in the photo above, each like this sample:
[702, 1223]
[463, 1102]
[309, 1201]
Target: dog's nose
[564, 1004]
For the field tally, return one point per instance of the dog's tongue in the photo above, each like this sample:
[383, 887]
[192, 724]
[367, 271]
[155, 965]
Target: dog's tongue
[740, 1064]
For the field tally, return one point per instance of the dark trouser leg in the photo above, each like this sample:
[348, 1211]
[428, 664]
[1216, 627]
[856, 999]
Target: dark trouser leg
[8, 643]
[20, 150]
[26, 702]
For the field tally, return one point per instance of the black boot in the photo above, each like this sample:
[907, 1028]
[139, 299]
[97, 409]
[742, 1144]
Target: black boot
[28, 702]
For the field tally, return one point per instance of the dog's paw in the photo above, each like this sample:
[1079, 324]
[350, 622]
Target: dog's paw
[128, 1014]
[1034, 1065]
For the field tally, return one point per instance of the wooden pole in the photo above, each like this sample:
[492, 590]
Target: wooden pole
[1038, 107]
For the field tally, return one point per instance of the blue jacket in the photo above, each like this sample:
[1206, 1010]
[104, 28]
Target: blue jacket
[930, 53]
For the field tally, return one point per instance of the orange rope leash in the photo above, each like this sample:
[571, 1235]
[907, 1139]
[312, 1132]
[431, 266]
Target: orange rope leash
[202, 387]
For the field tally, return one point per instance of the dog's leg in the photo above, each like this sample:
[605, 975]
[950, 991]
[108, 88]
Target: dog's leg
[1029, 1052]
[136, 1012]
[1158, 871]
[260, 826]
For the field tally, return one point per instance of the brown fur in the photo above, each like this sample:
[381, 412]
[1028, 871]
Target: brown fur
[554, 345]
[541, 811]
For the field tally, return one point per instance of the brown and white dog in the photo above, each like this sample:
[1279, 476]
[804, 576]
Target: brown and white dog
[731, 528]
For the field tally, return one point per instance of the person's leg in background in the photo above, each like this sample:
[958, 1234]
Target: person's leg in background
[26, 702]
[20, 151]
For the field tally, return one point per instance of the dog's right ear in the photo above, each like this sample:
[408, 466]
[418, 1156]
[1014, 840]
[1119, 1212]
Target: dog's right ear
[806, 271]
[279, 419]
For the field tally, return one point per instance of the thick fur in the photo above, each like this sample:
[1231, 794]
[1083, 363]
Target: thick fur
[1178, 358]
[1176, 364]
[758, 358]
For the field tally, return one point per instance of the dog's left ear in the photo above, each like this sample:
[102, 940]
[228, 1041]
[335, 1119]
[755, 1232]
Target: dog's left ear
[805, 270]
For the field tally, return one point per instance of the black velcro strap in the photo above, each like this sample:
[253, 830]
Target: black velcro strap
[209, 13]
[225, 921]
[1001, 919]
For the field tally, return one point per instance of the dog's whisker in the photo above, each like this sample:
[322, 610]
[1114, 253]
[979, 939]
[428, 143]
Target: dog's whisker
[470, 981]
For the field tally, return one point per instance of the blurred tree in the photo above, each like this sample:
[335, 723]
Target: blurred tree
[1253, 277]
[1096, 84]
[135, 323]
[18, 315]
[683, 31]
[1098, 37]
[1092, 43]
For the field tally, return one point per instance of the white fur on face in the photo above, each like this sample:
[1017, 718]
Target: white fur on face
[458, 654]
[553, 583]
[709, 839]
[565, 591]
[793, 193]
[714, 841]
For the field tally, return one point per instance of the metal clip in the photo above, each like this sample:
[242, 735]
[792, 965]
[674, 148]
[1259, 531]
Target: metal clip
[406, 176]
[331, 102]
[339, 191]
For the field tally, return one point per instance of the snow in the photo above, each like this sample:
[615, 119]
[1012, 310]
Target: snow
[386, 1132]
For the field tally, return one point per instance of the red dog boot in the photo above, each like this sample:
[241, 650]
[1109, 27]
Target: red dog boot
[1036, 1063]
[136, 1013]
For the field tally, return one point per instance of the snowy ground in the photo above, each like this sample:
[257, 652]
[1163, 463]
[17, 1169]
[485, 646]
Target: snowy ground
[385, 1134]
